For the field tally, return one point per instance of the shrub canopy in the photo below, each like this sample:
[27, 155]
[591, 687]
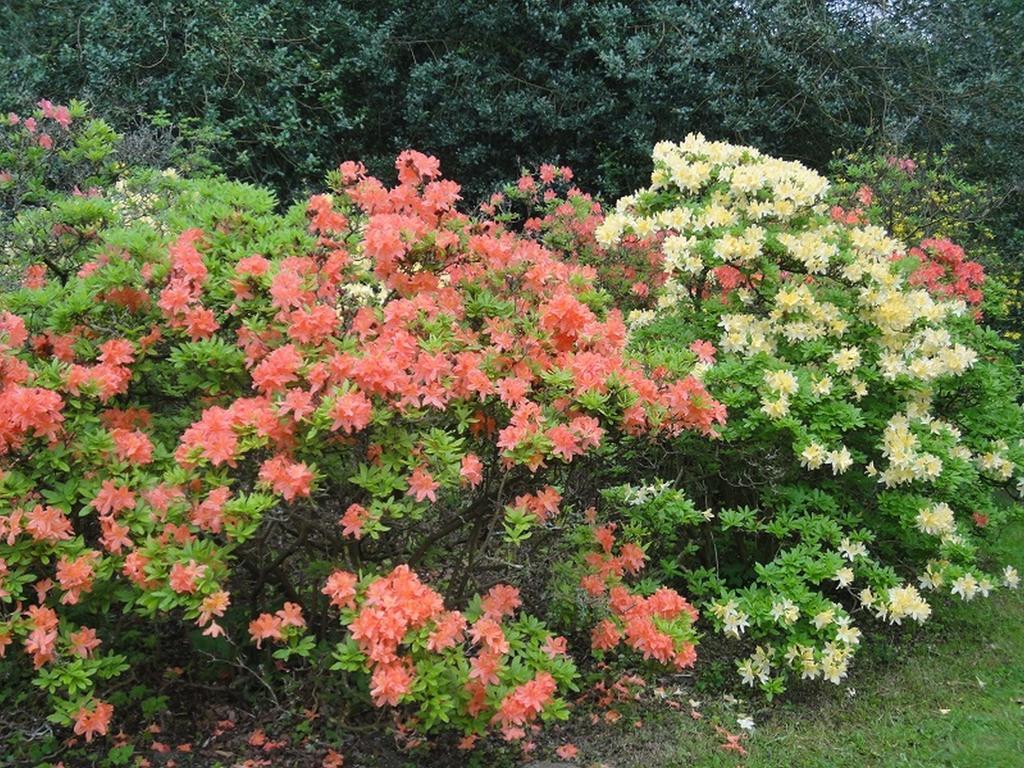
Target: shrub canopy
[425, 452]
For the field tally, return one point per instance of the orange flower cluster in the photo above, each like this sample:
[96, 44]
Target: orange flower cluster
[945, 272]
[658, 626]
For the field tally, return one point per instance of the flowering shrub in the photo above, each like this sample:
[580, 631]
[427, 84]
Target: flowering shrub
[658, 626]
[373, 406]
[54, 149]
[917, 197]
[931, 197]
[379, 437]
[546, 207]
[65, 176]
[874, 431]
[57, 153]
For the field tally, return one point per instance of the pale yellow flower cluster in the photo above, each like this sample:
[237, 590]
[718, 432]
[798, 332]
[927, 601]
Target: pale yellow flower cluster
[747, 334]
[1011, 578]
[757, 667]
[936, 519]
[835, 661]
[831, 661]
[844, 577]
[734, 620]
[642, 494]
[906, 463]
[785, 611]
[730, 203]
[133, 204]
[815, 455]
[803, 657]
[898, 603]
[691, 164]
[934, 575]
[995, 464]
[846, 359]
[851, 550]
[925, 356]
[969, 586]
[368, 292]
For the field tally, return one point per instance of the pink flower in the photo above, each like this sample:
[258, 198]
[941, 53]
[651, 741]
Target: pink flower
[640, 289]
[341, 589]
[704, 350]
[422, 485]
[351, 412]
[90, 722]
[182, 578]
[352, 522]
[567, 752]
[287, 478]
[555, 646]
[502, 600]
[265, 627]
[471, 470]
[389, 683]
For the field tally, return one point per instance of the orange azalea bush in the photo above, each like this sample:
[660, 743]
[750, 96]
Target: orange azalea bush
[321, 433]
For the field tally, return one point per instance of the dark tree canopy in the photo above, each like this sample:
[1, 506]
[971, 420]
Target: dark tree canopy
[488, 86]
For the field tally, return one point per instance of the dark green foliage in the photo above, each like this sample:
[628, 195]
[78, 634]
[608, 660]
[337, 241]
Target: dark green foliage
[298, 86]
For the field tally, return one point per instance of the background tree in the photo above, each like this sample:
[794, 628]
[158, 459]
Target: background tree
[298, 86]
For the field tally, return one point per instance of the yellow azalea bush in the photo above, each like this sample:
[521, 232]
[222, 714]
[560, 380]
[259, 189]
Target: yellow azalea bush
[874, 431]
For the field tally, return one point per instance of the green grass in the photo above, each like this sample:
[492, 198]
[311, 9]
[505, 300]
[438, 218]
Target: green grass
[955, 701]
[952, 694]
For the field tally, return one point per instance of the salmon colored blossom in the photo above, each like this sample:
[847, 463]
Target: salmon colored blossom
[341, 589]
[94, 720]
[422, 485]
[352, 412]
[84, 642]
[75, 576]
[389, 683]
[502, 600]
[182, 578]
[132, 446]
[354, 520]
[704, 350]
[471, 470]
[266, 626]
[287, 478]
[567, 752]
[277, 369]
[525, 703]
